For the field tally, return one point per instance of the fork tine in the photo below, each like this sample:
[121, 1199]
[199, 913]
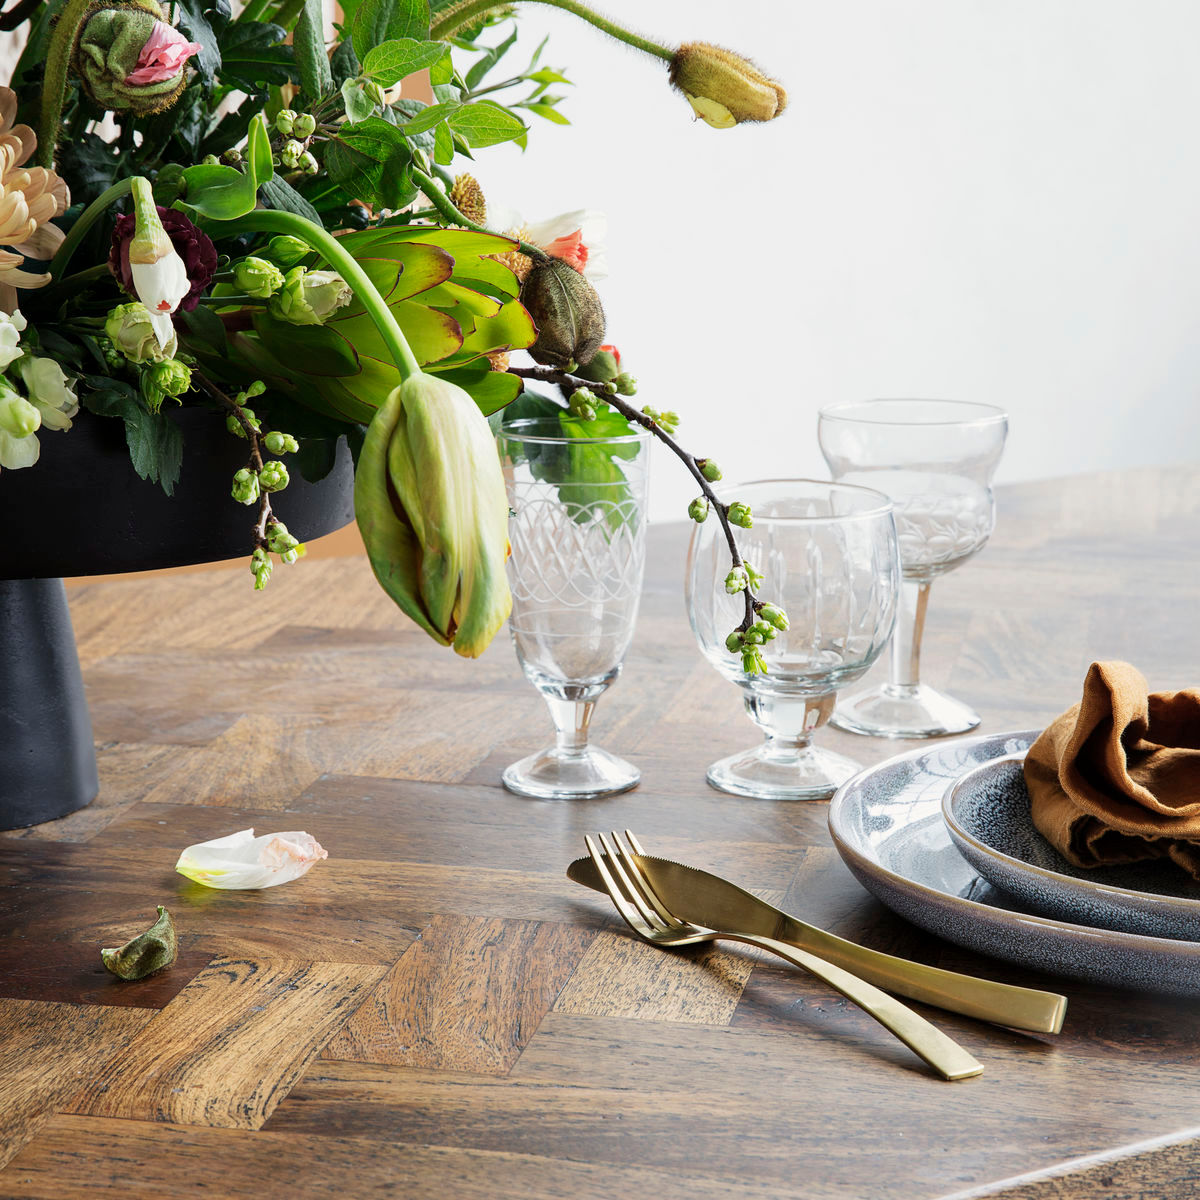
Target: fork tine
[637, 846]
[643, 885]
[629, 914]
[616, 859]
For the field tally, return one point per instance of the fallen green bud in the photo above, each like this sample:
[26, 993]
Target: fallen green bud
[148, 952]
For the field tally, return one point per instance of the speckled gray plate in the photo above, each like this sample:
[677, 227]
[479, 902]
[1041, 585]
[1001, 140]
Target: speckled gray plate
[887, 825]
[987, 815]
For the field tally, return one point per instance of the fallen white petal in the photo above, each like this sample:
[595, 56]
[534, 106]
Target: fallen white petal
[241, 860]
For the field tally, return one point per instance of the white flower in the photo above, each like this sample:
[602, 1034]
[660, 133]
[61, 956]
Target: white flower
[578, 237]
[19, 423]
[241, 860]
[11, 328]
[48, 391]
[160, 286]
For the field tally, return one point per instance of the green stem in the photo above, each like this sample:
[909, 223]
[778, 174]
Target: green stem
[463, 14]
[232, 301]
[288, 13]
[266, 220]
[255, 10]
[54, 83]
[449, 212]
[86, 220]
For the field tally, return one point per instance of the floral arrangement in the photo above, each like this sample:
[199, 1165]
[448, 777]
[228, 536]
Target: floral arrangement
[208, 209]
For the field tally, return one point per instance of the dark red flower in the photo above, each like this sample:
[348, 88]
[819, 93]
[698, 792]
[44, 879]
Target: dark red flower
[191, 244]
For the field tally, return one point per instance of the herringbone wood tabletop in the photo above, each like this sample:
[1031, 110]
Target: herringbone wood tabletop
[436, 1011]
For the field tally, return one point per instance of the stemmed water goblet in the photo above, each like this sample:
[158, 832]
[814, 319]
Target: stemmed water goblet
[935, 459]
[577, 528]
[827, 553]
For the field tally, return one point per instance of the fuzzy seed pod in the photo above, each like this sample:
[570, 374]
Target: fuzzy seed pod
[467, 196]
[724, 88]
[567, 312]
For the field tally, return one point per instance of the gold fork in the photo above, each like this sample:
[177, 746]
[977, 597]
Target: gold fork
[644, 913]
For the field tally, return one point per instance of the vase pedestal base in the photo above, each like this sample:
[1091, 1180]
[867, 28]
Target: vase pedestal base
[47, 756]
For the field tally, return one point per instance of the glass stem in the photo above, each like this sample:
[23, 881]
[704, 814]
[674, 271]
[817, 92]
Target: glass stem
[905, 675]
[571, 721]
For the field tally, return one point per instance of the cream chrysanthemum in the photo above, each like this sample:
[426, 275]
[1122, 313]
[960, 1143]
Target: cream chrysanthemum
[29, 198]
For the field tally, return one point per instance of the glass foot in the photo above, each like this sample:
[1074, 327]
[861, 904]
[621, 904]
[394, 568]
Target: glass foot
[807, 773]
[903, 712]
[553, 774]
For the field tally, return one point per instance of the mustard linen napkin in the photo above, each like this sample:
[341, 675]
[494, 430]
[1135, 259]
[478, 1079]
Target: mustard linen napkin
[1116, 778]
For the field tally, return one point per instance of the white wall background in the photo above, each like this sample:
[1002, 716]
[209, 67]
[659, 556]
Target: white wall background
[995, 200]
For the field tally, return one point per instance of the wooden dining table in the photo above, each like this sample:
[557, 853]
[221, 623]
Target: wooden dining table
[436, 1011]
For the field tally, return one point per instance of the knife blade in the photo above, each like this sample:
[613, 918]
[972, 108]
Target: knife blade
[705, 899]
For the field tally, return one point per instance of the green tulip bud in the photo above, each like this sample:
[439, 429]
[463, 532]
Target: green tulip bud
[776, 616]
[281, 443]
[129, 327]
[274, 476]
[736, 581]
[309, 297]
[698, 510]
[257, 277]
[287, 251]
[709, 469]
[304, 125]
[285, 122]
[734, 643]
[739, 514]
[18, 418]
[245, 488]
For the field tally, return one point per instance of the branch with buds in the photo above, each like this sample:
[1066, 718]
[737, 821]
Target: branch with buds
[761, 619]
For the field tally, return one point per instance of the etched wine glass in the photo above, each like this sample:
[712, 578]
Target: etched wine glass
[577, 528]
[827, 554]
[935, 459]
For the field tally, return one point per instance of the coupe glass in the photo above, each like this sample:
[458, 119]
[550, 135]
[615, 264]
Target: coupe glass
[828, 555]
[578, 533]
[935, 459]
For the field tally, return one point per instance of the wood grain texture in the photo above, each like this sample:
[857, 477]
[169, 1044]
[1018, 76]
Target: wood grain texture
[467, 996]
[229, 1047]
[48, 1052]
[526, 1046]
[620, 976]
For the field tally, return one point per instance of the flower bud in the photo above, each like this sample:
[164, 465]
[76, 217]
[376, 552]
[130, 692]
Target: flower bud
[210, 160]
[167, 378]
[281, 443]
[567, 312]
[776, 616]
[245, 488]
[309, 297]
[279, 540]
[734, 643]
[232, 157]
[736, 581]
[285, 122]
[753, 662]
[304, 126]
[764, 630]
[273, 477]
[709, 469]
[308, 164]
[260, 564]
[756, 580]
[131, 329]
[723, 88]
[257, 277]
[290, 154]
[18, 418]
[739, 514]
[148, 952]
[626, 384]
[602, 368]
[130, 61]
[698, 510]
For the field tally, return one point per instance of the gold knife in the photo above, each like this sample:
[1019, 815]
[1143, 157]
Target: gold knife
[695, 895]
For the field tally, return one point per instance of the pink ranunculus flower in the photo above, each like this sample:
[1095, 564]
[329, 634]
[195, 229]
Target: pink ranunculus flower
[162, 57]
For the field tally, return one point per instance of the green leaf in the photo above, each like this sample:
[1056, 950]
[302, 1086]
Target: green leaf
[359, 106]
[443, 146]
[196, 23]
[392, 61]
[378, 21]
[204, 325]
[225, 193]
[491, 390]
[154, 440]
[315, 76]
[343, 62]
[547, 76]
[430, 116]
[279, 194]
[369, 160]
[488, 61]
[485, 124]
[253, 55]
[547, 112]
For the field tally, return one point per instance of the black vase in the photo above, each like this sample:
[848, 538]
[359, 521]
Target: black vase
[82, 510]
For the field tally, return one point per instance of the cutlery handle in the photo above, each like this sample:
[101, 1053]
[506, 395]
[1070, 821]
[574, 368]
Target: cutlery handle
[984, 999]
[942, 1053]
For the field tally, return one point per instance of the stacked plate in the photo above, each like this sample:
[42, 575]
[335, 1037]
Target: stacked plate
[943, 836]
